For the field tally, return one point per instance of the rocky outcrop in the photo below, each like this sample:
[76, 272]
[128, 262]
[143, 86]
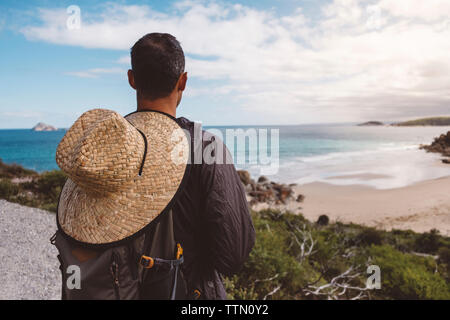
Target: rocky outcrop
[245, 177]
[441, 145]
[266, 191]
[43, 127]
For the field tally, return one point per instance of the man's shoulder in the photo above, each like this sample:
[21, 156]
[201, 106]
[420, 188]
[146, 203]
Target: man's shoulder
[208, 147]
[185, 123]
[195, 128]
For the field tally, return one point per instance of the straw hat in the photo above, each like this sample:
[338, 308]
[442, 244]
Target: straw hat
[123, 173]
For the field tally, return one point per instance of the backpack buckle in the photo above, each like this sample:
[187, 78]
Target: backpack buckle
[147, 262]
[179, 251]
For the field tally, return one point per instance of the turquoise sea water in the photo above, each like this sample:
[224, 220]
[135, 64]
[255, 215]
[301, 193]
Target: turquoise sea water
[33, 150]
[307, 153]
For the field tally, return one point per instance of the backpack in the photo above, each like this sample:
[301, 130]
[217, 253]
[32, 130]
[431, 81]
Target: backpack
[146, 267]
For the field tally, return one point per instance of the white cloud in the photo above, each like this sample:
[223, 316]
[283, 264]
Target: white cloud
[124, 60]
[96, 72]
[430, 10]
[25, 114]
[358, 60]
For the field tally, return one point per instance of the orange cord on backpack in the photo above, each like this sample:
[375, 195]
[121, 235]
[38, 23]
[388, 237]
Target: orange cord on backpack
[197, 294]
[179, 251]
[147, 262]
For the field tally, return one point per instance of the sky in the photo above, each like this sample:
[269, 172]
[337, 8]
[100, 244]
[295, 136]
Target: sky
[249, 62]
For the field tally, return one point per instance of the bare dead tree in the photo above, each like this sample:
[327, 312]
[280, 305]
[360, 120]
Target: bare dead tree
[272, 292]
[306, 243]
[339, 286]
[268, 279]
[277, 288]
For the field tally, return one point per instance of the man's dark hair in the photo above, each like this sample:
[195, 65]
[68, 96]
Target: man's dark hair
[157, 61]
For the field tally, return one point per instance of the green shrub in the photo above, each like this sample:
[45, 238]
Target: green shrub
[238, 292]
[369, 236]
[50, 184]
[49, 207]
[25, 200]
[444, 262]
[407, 276]
[14, 171]
[273, 262]
[8, 189]
[444, 255]
[428, 242]
[41, 191]
[403, 240]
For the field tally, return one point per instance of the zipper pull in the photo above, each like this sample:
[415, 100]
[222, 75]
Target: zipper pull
[115, 271]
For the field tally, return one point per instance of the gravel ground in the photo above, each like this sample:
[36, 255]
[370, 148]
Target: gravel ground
[28, 263]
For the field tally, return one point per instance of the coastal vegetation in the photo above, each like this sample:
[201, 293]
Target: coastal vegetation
[29, 188]
[434, 121]
[294, 258]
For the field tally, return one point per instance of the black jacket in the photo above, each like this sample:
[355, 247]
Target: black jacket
[211, 218]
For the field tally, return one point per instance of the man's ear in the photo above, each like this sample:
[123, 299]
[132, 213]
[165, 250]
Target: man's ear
[131, 79]
[182, 81]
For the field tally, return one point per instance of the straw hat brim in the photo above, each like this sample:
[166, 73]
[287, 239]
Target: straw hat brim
[113, 217]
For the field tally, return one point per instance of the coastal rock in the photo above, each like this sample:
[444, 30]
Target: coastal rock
[440, 145]
[43, 127]
[300, 198]
[244, 176]
[323, 220]
[262, 179]
[285, 193]
[266, 191]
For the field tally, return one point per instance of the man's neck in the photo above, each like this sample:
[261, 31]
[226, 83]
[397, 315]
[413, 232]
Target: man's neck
[166, 105]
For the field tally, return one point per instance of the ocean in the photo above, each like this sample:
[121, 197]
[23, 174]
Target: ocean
[382, 157]
[31, 149]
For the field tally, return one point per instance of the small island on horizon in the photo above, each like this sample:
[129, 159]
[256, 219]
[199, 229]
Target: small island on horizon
[371, 123]
[44, 127]
[430, 121]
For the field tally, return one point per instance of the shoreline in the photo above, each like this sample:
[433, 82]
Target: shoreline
[421, 206]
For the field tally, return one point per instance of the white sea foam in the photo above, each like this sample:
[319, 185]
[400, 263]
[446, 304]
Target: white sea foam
[389, 166]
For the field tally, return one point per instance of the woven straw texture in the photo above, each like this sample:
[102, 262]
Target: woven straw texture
[105, 200]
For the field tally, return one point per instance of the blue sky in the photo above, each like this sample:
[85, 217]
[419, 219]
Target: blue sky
[249, 62]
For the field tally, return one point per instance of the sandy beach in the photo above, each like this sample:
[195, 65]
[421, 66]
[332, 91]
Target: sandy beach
[419, 207]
